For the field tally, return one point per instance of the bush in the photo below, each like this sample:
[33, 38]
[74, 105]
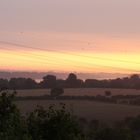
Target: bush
[12, 124]
[56, 91]
[41, 124]
[53, 124]
[107, 93]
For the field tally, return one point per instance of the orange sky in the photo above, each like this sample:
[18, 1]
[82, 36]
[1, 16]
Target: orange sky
[85, 53]
[74, 35]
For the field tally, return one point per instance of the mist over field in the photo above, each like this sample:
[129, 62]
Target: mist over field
[60, 75]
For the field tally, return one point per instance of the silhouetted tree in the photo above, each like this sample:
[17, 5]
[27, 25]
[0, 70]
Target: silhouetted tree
[49, 81]
[113, 134]
[134, 77]
[72, 77]
[73, 82]
[53, 124]
[133, 123]
[22, 83]
[57, 91]
[4, 83]
[92, 83]
[134, 81]
[41, 124]
[107, 93]
[61, 83]
[12, 125]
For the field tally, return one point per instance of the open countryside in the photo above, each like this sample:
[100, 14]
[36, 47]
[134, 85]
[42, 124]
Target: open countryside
[79, 92]
[105, 112]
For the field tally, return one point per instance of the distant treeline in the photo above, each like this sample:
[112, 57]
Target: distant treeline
[51, 81]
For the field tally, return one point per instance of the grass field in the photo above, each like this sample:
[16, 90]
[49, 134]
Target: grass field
[90, 110]
[80, 91]
[104, 112]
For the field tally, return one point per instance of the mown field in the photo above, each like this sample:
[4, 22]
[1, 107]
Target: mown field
[80, 91]
[105, 112]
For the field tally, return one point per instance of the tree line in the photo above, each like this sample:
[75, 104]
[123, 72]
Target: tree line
[51, 81]
[58, 124]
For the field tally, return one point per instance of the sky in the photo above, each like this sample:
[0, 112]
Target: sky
[70, 35]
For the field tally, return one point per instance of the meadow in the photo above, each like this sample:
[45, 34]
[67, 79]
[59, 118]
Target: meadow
[79, 92]
[105, 112]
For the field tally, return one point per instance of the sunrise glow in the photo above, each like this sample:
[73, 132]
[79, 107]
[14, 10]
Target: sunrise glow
[79, 36]
[64, 60]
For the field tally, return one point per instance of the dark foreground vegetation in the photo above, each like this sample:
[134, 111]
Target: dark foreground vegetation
[71, 81]
[41, 124]
[58, 124]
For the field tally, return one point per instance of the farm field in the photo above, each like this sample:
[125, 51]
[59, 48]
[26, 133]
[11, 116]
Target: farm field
[79, 91]
[104, 112]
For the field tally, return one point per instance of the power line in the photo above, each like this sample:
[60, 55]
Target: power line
[72, 54]
[41, 61]
[109, 67]
[58, 63]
